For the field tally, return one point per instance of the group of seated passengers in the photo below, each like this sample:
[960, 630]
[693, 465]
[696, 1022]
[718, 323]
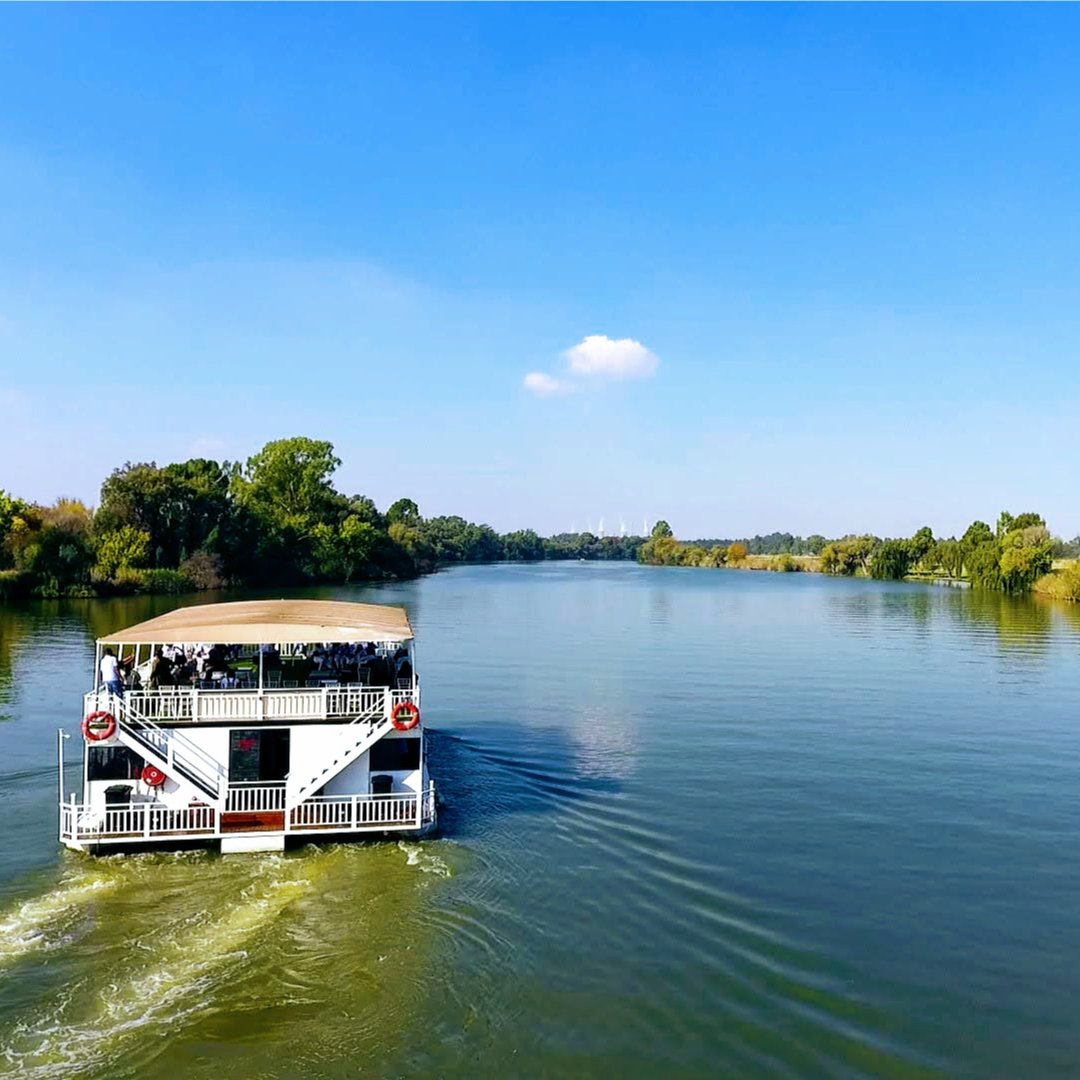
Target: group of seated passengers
[383, 670]
[173, 665]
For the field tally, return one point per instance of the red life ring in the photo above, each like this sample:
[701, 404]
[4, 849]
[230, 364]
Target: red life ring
[152, 776]
[98, 726]
[405, 725]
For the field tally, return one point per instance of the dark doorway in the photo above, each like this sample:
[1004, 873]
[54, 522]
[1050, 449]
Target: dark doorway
[258, 755]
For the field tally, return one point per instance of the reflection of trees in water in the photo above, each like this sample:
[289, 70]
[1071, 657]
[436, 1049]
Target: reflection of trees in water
[1020, 622]
[28, 630]
[14, 630]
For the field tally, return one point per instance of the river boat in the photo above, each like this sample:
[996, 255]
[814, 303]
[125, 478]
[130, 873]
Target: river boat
[292, 719]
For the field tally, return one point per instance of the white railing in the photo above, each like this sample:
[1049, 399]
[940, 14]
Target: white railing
[427, 809]
[135, 821]
[255, 797]
[397, 809]
[187, 705]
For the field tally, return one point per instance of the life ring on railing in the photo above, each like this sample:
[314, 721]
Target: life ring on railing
[405, 725]
[99, 725]
[152, 776]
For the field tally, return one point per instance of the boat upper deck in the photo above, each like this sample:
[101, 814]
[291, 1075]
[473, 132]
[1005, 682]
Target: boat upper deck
[270, 622]
[272, 660]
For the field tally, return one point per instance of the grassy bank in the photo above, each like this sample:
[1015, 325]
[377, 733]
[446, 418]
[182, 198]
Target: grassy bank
[1062, 583]
[784, 563]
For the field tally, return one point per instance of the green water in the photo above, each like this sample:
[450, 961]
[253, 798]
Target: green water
[697, 824]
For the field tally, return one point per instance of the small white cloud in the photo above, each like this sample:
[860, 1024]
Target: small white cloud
[538, 382]
[623, 359]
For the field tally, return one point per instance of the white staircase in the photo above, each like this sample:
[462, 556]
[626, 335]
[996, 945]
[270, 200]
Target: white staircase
[353, 740]
[196, 773]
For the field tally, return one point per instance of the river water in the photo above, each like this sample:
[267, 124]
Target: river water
[697, 823]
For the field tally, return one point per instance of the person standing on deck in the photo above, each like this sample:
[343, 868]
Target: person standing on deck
[110, 673]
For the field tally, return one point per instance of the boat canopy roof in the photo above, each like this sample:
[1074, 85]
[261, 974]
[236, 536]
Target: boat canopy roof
[269, 622]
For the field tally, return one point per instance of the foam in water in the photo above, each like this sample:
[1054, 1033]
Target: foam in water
[188, 963]
[44, 921]
[425, 860]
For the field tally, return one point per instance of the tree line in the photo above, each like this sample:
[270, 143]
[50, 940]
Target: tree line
[276, 518]
[1014, 557]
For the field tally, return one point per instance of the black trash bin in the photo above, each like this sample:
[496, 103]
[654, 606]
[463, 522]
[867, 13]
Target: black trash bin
[117, 793]
[382, 784]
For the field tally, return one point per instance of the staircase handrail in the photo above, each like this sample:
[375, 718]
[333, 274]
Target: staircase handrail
[361, 717]
[378, 727]
[191, 760]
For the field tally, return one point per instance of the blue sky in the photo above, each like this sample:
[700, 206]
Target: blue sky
[833, 250]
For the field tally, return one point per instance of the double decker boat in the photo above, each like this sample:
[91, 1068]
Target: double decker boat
[245, 724]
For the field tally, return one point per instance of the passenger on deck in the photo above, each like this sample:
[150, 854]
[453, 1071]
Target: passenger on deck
[160, 670]
[110, 673]
[379, 667]
[402, 665]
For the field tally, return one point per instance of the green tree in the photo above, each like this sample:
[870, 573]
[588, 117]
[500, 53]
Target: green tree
[830, 559]
[403, 512]
[1026, 554]
[1027, 521]
[848, 556]
[184, 506]
[523, 545]
[364, 509]
[11, 510]
[59, 561]
[126, 548]
[981, 561]
[694, 555]
[139, 496]
[978, 532]
[921, 544]
[199, 508]
[949, 556]
[453, 539]
[345, 553]
[891, 559]
[286, 485]
[661, 528]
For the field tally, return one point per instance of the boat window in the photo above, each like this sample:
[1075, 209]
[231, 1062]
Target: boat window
[390, 755]
[113, 763]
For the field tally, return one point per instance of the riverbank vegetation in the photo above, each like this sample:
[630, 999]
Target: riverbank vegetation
[1062, 583]
[1015, 557]
[276, 518]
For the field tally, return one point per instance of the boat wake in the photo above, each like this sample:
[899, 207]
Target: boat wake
[187, 960]
[49, 921]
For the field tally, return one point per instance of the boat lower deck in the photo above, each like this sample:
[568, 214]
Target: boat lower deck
[83, 826]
